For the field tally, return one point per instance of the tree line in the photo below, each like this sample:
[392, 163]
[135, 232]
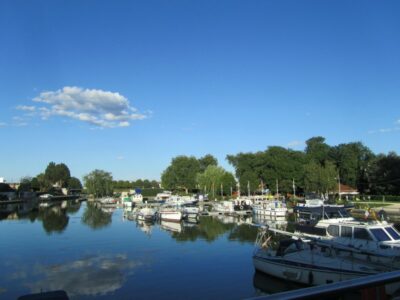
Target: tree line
[319, 168]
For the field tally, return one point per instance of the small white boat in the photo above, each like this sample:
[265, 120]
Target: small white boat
[162, 197]
[275, 208]
[146, 214]
[308, 263]
[224, 207]
[171, 214]
[190, 212]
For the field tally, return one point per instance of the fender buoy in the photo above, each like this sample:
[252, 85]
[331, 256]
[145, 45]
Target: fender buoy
[241, 207]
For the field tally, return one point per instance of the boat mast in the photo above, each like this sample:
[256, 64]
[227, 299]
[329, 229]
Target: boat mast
[277, 188]
[294, 190]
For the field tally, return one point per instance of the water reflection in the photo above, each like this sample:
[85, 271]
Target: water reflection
[171, 226]
[89, 276]
[200, 243]
[145, 226]
[95, 217]
[273, 222]
[53, 215]
[17, 211]
[265, 284]
[54, 219]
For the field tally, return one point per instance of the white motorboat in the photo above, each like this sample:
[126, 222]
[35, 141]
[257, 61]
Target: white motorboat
[190, 212]
[172, 214]
[146, 214]
[224, 207]
[162, 197]
[307, 262]
[276, 208]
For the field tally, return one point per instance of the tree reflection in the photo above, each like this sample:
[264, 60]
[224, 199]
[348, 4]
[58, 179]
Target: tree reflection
[53, 219]
[95, 217]
[73, 208]
[244, 233]
[208, 228]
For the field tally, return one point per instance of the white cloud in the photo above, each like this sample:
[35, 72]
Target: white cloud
[120, 157]
[2, 124]
[384, 130]
[96, 107]
[26, 108]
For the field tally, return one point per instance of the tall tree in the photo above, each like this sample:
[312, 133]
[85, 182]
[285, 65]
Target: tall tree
[25, 184]
[207, 160]
[320, 179]
[317, 149]
[385, 177]
[352, 161]
[181, 174]
[213, 178]
[58, 174]
[74, 183]
[99, 183]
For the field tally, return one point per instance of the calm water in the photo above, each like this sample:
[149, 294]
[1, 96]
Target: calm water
[92, 253]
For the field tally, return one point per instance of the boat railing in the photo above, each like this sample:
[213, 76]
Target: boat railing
[337, 289]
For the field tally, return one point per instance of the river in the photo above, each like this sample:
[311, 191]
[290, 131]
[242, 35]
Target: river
[91, 252]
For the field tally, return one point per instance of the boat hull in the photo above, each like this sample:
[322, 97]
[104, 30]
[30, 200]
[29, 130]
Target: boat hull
[302, 273]
[171, 216]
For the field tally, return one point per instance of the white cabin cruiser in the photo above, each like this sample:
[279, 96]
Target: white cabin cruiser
[170, 213]
[306, 262]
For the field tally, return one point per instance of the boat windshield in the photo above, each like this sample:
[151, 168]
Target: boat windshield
[380, 234]
[395, 235]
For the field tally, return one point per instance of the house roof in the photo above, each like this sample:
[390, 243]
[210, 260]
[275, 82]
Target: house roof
[346, 189]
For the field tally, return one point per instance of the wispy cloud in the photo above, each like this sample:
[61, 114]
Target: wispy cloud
[296, 144]
[2, 124]
[384, 130]
[26, 107]
[120, 157]
[97, 107]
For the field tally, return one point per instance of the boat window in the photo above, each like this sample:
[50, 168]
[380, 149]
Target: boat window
[395, 235]
[346, 231]
[380, 235]
[333, 230]
[333, 215]
[361, 233]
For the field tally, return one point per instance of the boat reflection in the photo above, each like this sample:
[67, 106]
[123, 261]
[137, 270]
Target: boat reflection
[145, 226]
[171, 226]
[266, 284]
[273, 222]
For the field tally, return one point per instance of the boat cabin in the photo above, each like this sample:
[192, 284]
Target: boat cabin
[381, 233]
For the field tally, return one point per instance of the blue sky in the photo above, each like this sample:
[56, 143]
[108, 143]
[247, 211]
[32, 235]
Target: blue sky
[125, 86]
